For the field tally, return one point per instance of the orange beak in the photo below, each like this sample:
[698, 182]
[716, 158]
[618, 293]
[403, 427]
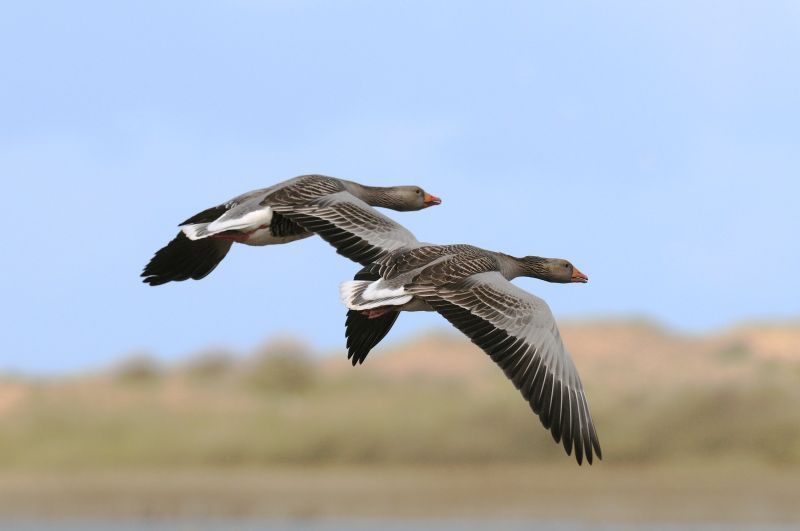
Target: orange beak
[577, 276]
[430, 200]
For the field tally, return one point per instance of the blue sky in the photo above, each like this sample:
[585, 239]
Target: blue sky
[654, 144]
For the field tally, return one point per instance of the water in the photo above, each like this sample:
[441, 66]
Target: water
[364, 525]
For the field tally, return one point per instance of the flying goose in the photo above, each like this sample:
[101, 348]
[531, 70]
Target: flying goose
[471, 288]
[250, 219]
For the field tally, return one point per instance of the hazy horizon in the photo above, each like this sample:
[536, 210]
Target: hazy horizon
[391, 344]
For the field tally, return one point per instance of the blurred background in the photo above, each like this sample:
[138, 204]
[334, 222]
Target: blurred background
[652, 144]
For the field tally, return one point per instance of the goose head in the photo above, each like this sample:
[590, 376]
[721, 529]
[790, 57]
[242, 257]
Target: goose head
[407, 198]
[553, 270]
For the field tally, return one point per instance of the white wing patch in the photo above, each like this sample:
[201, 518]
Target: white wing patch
[195, 231]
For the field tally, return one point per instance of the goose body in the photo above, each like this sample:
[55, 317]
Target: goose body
[471, 288]
[251, 219]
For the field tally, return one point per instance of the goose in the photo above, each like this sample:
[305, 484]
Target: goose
[250, 219]
[472, 289]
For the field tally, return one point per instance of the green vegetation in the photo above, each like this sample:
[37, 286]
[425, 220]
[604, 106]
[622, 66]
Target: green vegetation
[283, 408]
[693, 429]
[735, 352]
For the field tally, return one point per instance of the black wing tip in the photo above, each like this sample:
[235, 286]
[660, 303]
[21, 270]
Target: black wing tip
[355, 357]
[586, 444]
[153, 280]
[596, 445]
[184, 259]
[363, 333]
[581, 451]
[590, 456]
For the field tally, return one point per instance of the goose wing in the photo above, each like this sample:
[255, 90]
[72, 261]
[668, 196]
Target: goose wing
[252, 210]
[182, 259]
[355, 229]
[518, 331]
[362, 332]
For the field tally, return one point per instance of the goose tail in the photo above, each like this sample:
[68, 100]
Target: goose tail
[369, 294]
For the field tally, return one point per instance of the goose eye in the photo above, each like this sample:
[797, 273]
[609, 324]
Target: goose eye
[419, 192]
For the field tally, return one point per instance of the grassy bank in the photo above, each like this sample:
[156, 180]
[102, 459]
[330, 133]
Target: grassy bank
[283, 407]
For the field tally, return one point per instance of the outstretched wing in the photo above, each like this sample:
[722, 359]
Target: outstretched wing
[354, 228]
[518, 331]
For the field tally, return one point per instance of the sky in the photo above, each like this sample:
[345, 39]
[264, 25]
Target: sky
[656, 145]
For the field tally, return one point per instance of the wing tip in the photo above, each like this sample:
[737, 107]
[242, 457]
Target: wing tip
[183, 259]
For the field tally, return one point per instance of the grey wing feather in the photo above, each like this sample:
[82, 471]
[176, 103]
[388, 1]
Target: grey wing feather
[354, 228]
[518, 331]
[301, 190]
[297, 190]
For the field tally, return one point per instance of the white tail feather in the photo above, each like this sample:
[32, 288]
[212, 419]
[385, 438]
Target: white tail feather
[368, 294]
[246, 223]
[249, 222]
[195, 231]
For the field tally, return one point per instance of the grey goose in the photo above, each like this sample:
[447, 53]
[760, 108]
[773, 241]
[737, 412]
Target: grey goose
[250, 219]
[471, 288]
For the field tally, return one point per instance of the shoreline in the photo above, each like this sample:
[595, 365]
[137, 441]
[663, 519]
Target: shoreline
[608, 494]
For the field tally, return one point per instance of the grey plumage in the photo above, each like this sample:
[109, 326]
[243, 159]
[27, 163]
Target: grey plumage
[471, 288]
[356, 230]
[257, 218]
